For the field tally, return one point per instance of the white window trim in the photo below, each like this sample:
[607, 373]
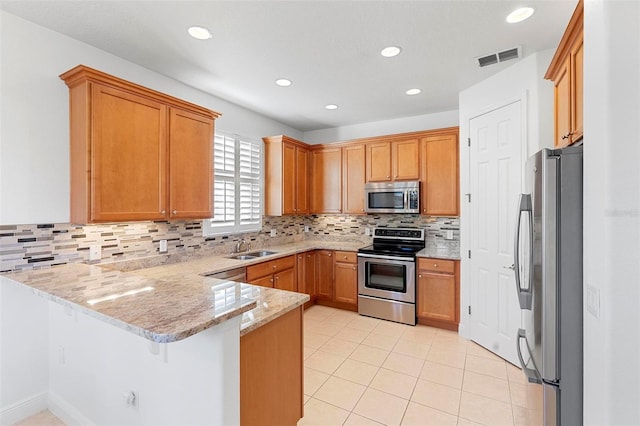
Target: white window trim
[209, 229]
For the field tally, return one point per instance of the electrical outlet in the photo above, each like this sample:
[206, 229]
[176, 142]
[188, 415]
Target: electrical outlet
[163, 246]
[449, 234]
[273, 233]
[95, 252]
[306, 228]
[367, 232]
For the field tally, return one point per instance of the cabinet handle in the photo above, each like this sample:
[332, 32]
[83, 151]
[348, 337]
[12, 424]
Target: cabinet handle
[329, 254]
[271, 280]
[420, 276]
[163, 212]
[568, 135]
[435, 265]
[174, 212]
[277, 277]
[344, 257]
[388, 177]
[275, 266]
[354, 268]
[300, 257]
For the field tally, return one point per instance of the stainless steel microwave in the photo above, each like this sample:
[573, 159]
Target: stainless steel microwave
[392, 197]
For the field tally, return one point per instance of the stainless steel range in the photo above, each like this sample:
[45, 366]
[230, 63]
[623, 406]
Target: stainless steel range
[387, 274]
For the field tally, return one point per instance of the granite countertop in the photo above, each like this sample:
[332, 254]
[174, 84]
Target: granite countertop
[158, 309]
[450, 252]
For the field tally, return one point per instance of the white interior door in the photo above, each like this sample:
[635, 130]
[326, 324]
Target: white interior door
[495, 181]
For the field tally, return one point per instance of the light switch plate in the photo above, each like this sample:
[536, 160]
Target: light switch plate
[163, 246]
[273, 233]
[306, 228]
[367, 231]
[449, 234]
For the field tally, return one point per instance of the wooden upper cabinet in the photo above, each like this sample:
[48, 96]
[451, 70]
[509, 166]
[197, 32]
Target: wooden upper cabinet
[566, 72]
[326, 180]
[379, 162]
[353, 169]
[190, 154]
[286, 176]
[405, 159]
[393, 160]
[136, 154]
[440, 175]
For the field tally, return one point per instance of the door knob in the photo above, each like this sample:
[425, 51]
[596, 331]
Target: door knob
[512, 267]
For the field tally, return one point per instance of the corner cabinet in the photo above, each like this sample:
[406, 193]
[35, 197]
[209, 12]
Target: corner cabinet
[439, 175]
[438, 293]
[326, 184]
[286, 176]
[136, 154]
[566, 72]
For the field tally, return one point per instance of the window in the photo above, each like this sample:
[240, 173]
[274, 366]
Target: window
[237, 191]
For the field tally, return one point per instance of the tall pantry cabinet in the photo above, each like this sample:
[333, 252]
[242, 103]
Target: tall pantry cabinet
[136, 154]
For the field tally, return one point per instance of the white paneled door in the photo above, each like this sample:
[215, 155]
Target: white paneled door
[495, 181]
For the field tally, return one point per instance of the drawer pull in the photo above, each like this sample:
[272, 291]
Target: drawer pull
[275, 266]
[435, 265]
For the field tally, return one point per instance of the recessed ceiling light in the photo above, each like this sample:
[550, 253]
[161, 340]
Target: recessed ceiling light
[200, 33]
[520, 15]
[413, 91]
[331, 106]
[283, 82]
[391, 51]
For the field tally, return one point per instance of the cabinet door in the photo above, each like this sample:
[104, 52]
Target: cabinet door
[436, 296]
[288, 178]
[440, 176]
[563, 106]
[378, 162]
[346, 283]
[306, 263]
[190, 165]
[285, 280]
[263, 281]
[326, 192]
[353, 168]
[405, 156]
[302, 181]
[129, 157]
[577, 90]
[324, 274]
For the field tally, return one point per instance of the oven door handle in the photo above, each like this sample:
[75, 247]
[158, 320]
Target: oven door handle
[383, 257]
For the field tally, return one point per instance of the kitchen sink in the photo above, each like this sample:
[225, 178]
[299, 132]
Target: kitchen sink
[261, 253]
[243, 257]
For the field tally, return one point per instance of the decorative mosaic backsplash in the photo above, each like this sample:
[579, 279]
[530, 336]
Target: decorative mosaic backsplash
[43, 245]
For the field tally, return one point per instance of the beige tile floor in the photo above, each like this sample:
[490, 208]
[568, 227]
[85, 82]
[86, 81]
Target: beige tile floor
[365, 371]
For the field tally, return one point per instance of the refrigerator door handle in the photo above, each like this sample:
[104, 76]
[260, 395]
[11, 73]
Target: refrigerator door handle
[525, 295]
[533, 376]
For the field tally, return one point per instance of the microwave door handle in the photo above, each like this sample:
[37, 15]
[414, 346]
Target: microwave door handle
[406, 200]
[524, 294]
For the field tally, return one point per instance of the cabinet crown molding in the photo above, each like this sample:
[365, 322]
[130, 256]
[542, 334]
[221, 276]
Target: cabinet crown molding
[82, 73]
[570, 36]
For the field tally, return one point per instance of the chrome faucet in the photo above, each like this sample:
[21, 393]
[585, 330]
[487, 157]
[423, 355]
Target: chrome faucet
[243, 244]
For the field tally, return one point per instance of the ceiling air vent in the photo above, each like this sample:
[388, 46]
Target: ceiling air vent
[494, 58]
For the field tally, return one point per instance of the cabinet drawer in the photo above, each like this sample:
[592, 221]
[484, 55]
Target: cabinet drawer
[270, 267]
[346, 257]
[437, 265]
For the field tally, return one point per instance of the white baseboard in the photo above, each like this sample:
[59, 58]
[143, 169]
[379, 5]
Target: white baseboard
[66, 412]
[23, 409]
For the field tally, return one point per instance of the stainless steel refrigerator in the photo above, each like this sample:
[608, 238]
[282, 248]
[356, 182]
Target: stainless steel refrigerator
[548, 265]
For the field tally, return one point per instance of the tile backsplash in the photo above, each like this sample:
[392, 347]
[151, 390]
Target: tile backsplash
[43, 245]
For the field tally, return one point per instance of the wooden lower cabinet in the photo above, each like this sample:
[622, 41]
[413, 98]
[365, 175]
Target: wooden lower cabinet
[438, 293]
[306, 264]
[271, 372]
[324, 275]
[277, 273]
[345, 284]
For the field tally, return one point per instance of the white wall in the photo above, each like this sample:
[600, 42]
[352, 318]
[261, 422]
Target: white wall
[612, 211]
[523, 80]
[384, 127]
[24, 352]
[34, 133]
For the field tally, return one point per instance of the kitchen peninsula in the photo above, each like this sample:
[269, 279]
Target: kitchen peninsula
[124, 348]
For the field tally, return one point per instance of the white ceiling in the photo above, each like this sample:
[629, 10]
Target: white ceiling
[329, 49]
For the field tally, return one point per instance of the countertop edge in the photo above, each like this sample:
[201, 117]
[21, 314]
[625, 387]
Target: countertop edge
[304, 298]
